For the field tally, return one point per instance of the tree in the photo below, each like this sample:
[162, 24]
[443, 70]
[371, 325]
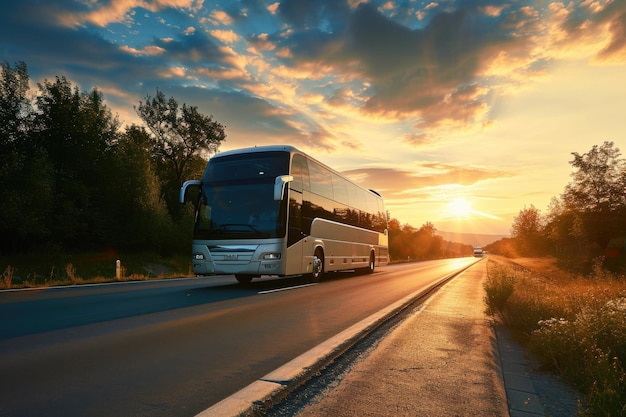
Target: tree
[558, 225]
[427, 244]
[15, 107]
[181, 138]
[597, 194]
[26, 199]
[26, 183]
[77, 129]
[428, 229]
[527, 229]
[408, 243]
[77, 132]
[144, 222]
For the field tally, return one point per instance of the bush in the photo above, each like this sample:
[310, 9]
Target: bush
[575, 325]
[499, 286]
[590, 352]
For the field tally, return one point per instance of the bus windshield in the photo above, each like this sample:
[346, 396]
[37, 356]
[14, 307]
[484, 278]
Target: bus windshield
[237, 197]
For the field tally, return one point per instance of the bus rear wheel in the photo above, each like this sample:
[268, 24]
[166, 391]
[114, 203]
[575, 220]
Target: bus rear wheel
[244, 278]
[372, 264]
[318, 265]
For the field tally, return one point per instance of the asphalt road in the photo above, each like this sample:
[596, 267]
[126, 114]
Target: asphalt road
[176, 347]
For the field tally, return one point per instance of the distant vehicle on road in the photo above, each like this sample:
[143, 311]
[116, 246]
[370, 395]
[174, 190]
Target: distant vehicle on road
[479, 252]
[274, 210]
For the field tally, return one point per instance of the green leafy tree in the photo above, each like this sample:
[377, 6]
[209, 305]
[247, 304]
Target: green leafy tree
[15, 107]
[409, 243]
[428, 229]
[528, 231]
[144, 222]
[77, 129]
[393, 227]
[558, 225]
[26, 199]
[428, 243]
[183, 139]
[26, 182]
[596, 195]
[77, 132]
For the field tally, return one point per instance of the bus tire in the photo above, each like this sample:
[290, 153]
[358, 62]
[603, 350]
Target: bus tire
[372, 264]
[318, 265]
[244, 278]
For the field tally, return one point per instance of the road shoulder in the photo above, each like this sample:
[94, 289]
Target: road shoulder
[440, 361]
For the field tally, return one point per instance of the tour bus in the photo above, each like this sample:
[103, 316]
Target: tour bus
[274, 210]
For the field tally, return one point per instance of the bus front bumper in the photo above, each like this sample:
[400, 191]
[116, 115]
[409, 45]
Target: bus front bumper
[249, 260]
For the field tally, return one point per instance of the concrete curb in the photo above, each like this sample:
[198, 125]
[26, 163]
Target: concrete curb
[520, 392]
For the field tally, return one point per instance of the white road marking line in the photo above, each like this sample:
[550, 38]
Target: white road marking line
[286, 288]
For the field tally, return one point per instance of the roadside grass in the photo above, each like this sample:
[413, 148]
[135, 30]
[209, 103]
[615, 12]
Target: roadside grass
[46, 270]
[575, 325]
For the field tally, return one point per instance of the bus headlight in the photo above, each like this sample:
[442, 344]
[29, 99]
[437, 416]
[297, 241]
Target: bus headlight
[198, 257]
[271, 256]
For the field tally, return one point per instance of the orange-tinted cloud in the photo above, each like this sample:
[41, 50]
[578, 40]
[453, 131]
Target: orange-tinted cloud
[401, 182]
[117, 11]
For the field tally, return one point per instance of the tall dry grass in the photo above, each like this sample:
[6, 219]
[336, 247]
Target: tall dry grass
[575, 325]
[7, 277]
[28, 271]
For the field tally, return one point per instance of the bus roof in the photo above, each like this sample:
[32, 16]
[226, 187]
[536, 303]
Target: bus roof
[290, 149]
[268, 148]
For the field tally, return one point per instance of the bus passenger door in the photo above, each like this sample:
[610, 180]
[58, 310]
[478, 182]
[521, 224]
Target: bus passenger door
[294, 234]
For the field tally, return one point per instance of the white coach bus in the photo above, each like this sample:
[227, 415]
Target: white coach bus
[274, 210]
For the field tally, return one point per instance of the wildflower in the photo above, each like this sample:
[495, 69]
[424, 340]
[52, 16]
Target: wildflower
[552, 322]
[618, 305]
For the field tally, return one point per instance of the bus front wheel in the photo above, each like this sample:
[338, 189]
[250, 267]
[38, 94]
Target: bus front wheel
[318, 265]
[244, 278]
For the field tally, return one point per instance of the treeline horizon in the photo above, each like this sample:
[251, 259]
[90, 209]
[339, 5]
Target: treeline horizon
[407, 243]
[585, 226]
[74, 180]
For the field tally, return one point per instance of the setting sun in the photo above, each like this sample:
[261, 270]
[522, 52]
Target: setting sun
[459, 207]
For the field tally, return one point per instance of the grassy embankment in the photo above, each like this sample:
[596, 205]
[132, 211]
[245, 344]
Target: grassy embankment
[575, 325]
[28, 271]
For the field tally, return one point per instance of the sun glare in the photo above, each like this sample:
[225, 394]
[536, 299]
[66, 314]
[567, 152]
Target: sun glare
[459, 207]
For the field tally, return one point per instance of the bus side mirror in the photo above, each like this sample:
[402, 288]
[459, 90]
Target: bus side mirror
[183, 189]
[279, 186]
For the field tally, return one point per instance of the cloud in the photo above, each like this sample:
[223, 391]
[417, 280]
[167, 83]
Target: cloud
[226, 36]
[304, 70]
[254, 121]
[117, 11]
[262, 42]
[221, 17]
[272, 8]
[423, 179]
[432, 74]
[148, 50]
[443, 73]
[598, 24]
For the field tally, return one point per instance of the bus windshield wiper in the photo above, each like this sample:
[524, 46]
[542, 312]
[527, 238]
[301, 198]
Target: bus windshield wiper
[227, 228]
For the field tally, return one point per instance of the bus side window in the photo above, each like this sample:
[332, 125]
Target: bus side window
[296, 172]
[321, 180]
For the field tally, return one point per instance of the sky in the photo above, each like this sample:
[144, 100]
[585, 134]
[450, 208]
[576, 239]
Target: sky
[460, 113]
